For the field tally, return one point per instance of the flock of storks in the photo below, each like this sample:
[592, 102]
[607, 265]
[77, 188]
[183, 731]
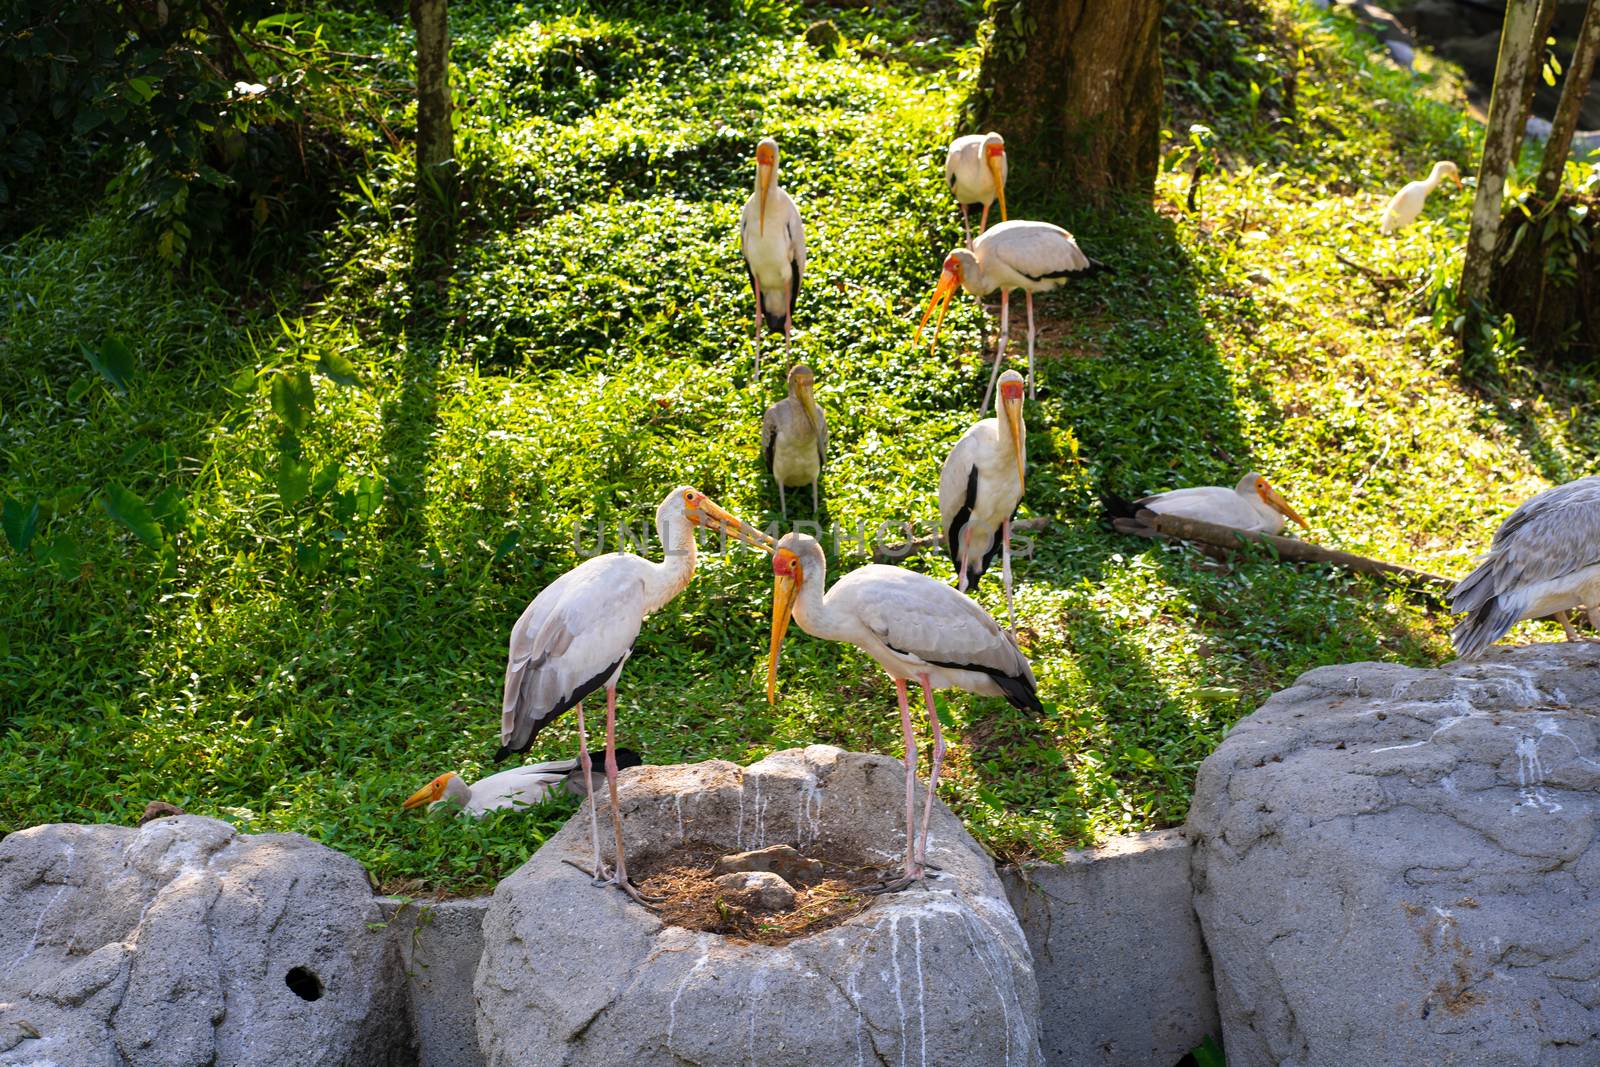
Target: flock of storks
[577, 634]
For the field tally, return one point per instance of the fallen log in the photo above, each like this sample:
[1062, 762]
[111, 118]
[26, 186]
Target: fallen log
[897, 552]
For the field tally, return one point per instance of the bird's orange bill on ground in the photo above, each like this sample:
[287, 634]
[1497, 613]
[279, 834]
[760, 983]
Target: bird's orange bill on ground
[703, 511]
[943, 293]
[787, 575]
[1011, 408]
[1275, 500]
[765, 161]
[992, 158]
[434, 790]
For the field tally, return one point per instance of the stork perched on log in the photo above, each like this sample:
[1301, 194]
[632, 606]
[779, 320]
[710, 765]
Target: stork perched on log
[520, 787]
[794, 437]
[1407, 204]
[579, 631]
[975, 170]
[916, 628]
[1032, 256]
[773, 240]
[980, 487]
[1544, 560]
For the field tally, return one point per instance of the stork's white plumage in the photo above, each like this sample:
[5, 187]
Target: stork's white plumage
[520, 787]
[980, 486]
[1541, 562]
[1407, 204]
[1032, 256]
[1252, 505]
[916, 628]
[579, 631]
[794, 437]
[773, 241]
[975, 170]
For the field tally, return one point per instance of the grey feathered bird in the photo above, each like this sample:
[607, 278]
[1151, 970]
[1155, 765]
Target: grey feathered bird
[1544, 560]
[794, 437]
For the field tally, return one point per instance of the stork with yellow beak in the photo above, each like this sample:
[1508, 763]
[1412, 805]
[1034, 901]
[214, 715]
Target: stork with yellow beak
[1252, 505]
[579, 631]
[975, 170]
[919, 630]
[1032, 256]
[794, 437]
[773, 241]
[980, 487]
[520, 787]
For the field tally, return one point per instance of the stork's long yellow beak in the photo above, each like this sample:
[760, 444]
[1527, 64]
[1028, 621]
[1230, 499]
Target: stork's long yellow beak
[1013, 410]
[783, 594]
[999, 183]
[422, 796]
[709, 514]
[763, 186]
[943, 293]
[1274, 498]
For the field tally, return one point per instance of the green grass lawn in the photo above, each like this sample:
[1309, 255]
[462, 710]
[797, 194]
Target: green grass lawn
[290, 611]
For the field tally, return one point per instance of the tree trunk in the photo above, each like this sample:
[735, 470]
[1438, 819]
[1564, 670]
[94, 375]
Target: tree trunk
[1530, 80]
[1500, 144]
[1573, 90]
[435, 141]
[1075, 88]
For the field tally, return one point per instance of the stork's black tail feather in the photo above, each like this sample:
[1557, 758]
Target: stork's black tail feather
[774, 323]
[1020, 693]
[1096, 267]
[1116, 506]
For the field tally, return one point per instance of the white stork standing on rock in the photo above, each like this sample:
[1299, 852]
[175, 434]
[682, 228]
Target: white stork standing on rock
[980, 487]
[1544, 560]
[520, 787]
[579, 631]
[975, 169]
[1032, 256]
[918, 629]
[1407, 204]
[794, 437]
[773, 241]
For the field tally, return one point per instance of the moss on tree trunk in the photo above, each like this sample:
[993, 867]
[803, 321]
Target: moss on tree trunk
[1074, 86]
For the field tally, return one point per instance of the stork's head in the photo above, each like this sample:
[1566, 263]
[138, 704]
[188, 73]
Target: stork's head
[1011, 411]
[994, 157]
[797, 560]
[960, 271]
[701, 510]
[1255, 483]
[448, 786]
[766, 174]
[1445, 169]
[800, 382]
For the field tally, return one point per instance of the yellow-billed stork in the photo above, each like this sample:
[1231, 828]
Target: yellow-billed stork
[1021, 254]
[918, 629]
[980, 487]
[794, 437]
[975, 169]
[1253, 505]
[520, 787]
[579, 631]
[773, 241]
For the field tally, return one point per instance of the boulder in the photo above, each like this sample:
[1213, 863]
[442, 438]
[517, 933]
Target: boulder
[578, 974]
[762, 890]
[1396, 866]
[781, 860]
[185, 942]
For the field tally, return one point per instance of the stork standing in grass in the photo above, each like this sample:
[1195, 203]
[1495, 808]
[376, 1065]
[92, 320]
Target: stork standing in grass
[1407, 204]
[1542, 561]
[794, 437]
[980, 487]
[773, 241]
[919, 630]
[520, 787]
[1253, 505]
[975, 170]
[579, 631]
[1032, 256]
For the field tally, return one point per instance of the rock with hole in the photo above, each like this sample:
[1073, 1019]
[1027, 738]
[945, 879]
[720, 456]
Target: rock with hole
[761, 890]
[577, 974]
[184, 942]
[1397, 866]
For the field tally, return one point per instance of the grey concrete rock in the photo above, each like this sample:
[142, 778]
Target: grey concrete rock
[1124, 979]
[1397, 866]
[781, 860]
[184, 942]
[576, 974]
[440, 944]
[762, 890]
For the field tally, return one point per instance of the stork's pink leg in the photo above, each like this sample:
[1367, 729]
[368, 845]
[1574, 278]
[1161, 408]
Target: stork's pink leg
[966, 225]
[1000, 348]
[588, 790]
[1033, 391]
[913, 872]
[757, 283]
[619, 877]
[933, 775]
[1005, 572]
[983, 222]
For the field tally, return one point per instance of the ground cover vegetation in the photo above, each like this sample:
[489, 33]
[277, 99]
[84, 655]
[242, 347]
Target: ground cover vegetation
[268, 524]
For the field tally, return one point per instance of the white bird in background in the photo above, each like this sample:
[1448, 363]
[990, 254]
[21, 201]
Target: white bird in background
[1407, 203]
[794, 437]
[975, 169]
[773, 241]
[918, 629]
[1032, 256]
[1252, 505]
[520, 787]
[1544, 560]
[579, 631]
[980, 486]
